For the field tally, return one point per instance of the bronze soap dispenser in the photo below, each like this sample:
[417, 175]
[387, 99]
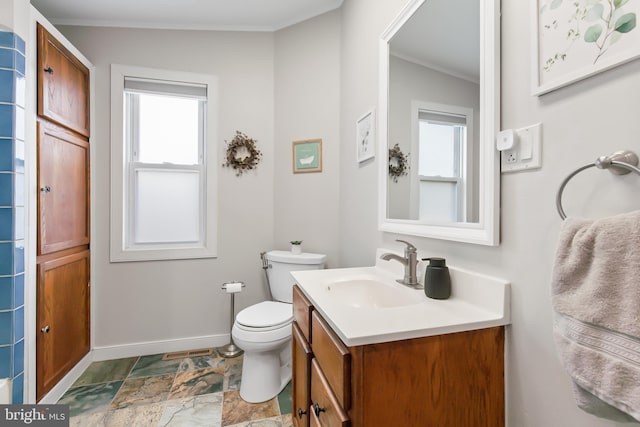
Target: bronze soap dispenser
[437, 282]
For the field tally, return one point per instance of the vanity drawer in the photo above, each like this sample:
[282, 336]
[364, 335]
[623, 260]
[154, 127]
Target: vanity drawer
[302, 309]
[325, 408]
[334, 358]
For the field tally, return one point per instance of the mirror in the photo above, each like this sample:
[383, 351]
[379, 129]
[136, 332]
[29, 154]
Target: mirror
[439, 112]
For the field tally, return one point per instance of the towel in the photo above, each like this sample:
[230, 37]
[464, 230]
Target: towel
[596, 302]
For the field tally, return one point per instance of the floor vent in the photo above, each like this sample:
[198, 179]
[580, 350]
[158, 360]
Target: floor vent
[189, 353]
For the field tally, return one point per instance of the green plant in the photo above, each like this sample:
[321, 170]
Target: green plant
[296, 242]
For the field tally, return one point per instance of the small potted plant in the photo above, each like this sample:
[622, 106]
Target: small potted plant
[296, 246]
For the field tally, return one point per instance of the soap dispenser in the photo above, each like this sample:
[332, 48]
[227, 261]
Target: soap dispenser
[437, 282]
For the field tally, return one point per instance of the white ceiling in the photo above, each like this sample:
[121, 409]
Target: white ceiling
[443, 35]
[237, 15]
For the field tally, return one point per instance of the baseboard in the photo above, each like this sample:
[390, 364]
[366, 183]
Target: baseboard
[130, 350]
[157, 347]
[67, 381]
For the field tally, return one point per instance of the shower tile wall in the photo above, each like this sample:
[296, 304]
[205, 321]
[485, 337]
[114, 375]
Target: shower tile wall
[12, 212]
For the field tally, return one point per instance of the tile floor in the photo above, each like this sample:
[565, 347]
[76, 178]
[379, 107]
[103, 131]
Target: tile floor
[147, 391]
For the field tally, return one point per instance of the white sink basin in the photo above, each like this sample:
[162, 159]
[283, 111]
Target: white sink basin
[370, 293]
[366, 305]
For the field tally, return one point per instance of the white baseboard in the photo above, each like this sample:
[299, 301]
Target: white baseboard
[67, 381]
[130, 350]
[157, 347]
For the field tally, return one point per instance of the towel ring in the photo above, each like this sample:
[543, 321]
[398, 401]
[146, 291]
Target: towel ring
[619, 163]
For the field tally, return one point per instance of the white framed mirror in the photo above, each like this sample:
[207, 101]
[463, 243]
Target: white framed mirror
[440, 103]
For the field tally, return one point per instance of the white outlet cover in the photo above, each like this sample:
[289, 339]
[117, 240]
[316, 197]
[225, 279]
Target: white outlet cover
[534, 135]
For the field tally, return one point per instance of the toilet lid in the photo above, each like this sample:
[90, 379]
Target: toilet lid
[266, 314]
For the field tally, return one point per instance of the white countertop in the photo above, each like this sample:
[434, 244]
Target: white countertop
[477, 301]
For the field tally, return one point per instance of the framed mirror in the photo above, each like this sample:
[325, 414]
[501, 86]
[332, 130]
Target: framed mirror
[439, 113]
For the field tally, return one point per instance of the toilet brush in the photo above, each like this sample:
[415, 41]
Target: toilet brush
[231, 350]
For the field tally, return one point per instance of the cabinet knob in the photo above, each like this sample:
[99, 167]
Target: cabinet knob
[45, 330]
[45, 189]
[301, 412]
[317, 409]
[48, 70]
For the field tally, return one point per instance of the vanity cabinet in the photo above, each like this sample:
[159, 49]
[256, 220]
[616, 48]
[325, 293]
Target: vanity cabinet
[448, 380]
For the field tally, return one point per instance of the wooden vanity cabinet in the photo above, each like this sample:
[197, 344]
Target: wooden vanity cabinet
[448, 380]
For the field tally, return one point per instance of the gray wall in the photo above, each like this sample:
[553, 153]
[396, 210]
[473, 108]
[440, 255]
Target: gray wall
[307, 106]
[157, 301]
[580, 122]
[275, 87]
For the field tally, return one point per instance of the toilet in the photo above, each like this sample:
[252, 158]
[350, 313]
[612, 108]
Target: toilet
[263, 330]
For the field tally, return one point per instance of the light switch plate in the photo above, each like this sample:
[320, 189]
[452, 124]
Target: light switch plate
[526, 154]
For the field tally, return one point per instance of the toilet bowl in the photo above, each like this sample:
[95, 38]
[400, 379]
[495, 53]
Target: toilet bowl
[263, 330]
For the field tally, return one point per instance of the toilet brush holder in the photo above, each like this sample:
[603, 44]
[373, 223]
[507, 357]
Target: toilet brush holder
[231, 350]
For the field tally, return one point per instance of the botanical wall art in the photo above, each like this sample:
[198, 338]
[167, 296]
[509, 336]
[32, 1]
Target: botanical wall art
[307, 156]
[579, 38]
[365, 136]
[242, 154]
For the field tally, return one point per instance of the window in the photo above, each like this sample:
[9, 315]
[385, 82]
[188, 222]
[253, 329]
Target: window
[163, 165]
[442, 152]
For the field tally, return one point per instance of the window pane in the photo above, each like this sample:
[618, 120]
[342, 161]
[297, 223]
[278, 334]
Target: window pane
[167, 206]
[446, 207]
[168, 129]
[439, 149]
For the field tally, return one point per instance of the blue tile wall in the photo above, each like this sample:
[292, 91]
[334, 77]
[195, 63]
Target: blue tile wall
[12, 221]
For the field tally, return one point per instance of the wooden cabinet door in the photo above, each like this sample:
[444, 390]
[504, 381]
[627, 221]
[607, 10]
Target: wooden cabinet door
[63, 85]
[63, 179]
[324, 404]
[301, 378]
[62, 318]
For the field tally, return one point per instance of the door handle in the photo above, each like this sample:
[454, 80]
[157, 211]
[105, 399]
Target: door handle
[317, 409]
[45, 330]
[48, 70]
[301, 412]
[45, 189]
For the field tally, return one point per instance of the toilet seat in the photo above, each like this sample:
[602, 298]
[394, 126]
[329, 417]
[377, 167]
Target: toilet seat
[265, 316]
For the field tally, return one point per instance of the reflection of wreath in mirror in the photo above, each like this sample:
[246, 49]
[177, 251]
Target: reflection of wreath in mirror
[398, 163]
[241, 144]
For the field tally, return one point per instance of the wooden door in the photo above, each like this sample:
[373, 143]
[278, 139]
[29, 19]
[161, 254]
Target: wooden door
[301, 378]
[63, 85]
[63, 180]
[63, 204]
[63, 334]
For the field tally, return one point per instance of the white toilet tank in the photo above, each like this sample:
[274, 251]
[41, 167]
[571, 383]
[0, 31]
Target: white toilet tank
[282, 263]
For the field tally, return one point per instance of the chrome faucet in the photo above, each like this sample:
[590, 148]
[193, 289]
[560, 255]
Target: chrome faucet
[410, 262]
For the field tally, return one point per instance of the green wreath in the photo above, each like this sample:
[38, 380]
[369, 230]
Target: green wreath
[239, 143]
[398, 163]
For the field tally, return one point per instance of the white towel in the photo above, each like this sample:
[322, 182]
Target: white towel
[596, 300]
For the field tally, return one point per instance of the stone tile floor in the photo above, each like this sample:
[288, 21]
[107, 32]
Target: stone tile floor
[147, 391]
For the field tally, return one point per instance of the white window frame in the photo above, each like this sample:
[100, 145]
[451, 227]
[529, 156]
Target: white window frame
[463, 184]
[121, 250]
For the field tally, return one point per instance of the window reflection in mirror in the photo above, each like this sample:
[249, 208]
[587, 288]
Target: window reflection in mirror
[434, 102]
[442, 172]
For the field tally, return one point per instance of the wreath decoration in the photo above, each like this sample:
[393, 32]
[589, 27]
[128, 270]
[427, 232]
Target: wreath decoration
[235, 159]
[398, 163]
